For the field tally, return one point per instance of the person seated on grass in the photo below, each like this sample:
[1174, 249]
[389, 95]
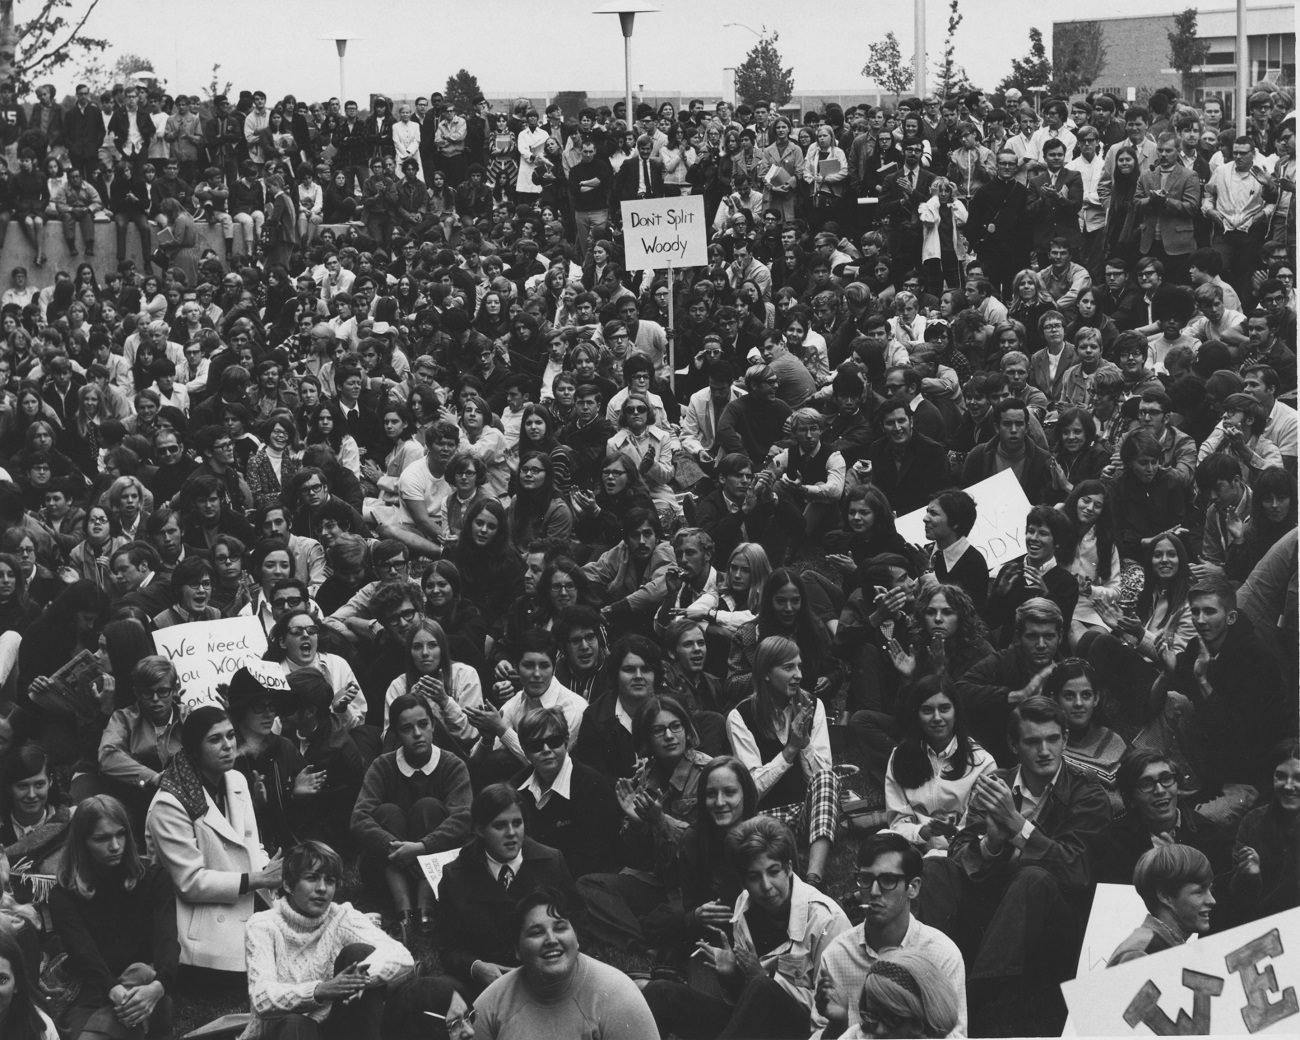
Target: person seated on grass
[1176, 883]
[558, 991]
[934, 769]
[476, 939]
[906, 994]
[888, 879]
[413, 801]
[1093, 746]
[115, 915]
[767, 973]
[321, 969]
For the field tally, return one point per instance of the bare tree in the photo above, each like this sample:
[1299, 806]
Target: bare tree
[44, 43]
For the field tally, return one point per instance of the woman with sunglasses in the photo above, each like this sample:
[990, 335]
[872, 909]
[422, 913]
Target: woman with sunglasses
[294, 644]
[649, 447]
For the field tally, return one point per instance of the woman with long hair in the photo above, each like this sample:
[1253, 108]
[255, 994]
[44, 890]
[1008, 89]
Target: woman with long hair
[82, 435]
[1123, 233]
[403, 449]
[202, 830]
[933, 771]
[776, 724]
[1030, 300]
[1092, 747]
[487, 559]
[88, 559]
[446, 685]
[622, 488]
[740, 594]
[1091, 316]
[485, 441]
[115, 914]
[1078, 456]
[1096, 565]
[493, 317]
[325, 425]
[1273, 515]
[460, 619]
[538, 510]
[22, 1012]
[784, 610]
[1142, 641]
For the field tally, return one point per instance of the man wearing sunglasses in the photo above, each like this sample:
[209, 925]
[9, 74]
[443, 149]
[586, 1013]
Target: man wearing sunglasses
[1149, 784]
[888, 878]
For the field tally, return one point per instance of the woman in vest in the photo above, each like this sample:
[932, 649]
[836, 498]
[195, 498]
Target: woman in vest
[779, 732]
[811, 473]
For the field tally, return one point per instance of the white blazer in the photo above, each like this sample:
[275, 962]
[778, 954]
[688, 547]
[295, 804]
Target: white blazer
[206, 859]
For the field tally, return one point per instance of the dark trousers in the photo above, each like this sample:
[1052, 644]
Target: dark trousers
[359, 1020]
[616, 905]
[1176, 264]
[764, 1012]
[1240, 251]
[88, 1017]
[405, 825]
[1126, 674]
[877, 734]
[1015, 924]
[141, 222]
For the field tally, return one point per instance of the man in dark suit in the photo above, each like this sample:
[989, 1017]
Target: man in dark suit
[134, 569]
[1168, 198]
[83, 132]
[904, 191]
[1055, 198]
[120, 127]
[907, 466]
[641, 177]
[997, 226]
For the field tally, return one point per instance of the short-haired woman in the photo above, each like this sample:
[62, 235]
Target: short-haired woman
[115, 915]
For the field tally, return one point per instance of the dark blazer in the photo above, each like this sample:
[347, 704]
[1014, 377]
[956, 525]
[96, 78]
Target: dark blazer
[1116, 849]
[603, 743]
[1053, 216]
[476, 911]
[120, 128]
[1035, 478]
[628, 180]
[898, 205]
[1073, 810]
[1040, 371]
[83, 132]
[584, 828]
[909, 484]
[971, 572]
[1172, 215]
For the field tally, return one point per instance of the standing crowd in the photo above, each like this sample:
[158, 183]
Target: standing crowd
[596, 663]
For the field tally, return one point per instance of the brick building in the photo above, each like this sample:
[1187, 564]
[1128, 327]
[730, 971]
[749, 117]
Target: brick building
[1137, 50]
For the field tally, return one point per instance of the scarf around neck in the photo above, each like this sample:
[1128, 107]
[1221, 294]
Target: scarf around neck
[182, 781]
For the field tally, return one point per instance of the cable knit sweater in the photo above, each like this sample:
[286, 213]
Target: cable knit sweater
[289, 954]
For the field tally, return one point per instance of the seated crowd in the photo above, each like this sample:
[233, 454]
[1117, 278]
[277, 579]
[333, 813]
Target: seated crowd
[598, 671]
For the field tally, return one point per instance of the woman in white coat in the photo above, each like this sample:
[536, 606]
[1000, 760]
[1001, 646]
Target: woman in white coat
[943, 248]
[201, 828]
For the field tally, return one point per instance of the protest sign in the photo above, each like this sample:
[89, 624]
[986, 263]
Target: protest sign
[999, 527]
[1116, 911]
[1240, 981]
[434, 864]
[665, 233]
[208, 653]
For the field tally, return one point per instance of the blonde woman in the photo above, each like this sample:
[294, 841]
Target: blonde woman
[943, 246]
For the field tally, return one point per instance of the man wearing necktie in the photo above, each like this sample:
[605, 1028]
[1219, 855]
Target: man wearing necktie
[902, 193]
[643, 176]
[1055, 198]
[1013, 889]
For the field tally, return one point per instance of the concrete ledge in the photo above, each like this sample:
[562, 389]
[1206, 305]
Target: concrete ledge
[18, 251]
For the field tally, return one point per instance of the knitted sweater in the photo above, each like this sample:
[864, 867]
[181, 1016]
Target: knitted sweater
[289, 954]
[386, 785]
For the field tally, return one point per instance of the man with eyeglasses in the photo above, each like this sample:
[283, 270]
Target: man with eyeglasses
[580, 635]
[997, 224]
[1234, 200]
[1013, 890]
[887, 879]
[902, 194]
[1177, 449]
[1149, 784]
[311, 490]
[217, 449]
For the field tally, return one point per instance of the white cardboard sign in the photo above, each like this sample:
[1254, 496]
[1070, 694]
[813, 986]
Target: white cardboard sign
[1238, 982]
[433, 865]
[208, 653]
[659, 233]
[999, 531]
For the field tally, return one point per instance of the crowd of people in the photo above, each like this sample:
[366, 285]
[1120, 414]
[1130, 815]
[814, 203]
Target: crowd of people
[611, 615]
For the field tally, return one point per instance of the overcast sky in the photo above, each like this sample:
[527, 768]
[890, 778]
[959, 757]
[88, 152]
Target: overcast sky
[536, 47]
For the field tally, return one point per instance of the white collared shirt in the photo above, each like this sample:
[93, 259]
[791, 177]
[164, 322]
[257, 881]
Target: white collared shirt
[495, 868]
[559, 786]
[620, 713]
[955, 552]
[406, 769]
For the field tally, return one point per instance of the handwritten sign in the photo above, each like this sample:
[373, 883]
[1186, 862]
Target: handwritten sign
[1242, 981]
[999, 531]
[1116, 911]
[434, 864]
[665, 233]
[208, 653]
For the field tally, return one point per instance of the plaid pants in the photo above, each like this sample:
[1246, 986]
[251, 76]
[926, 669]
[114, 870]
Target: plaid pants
[819, 811]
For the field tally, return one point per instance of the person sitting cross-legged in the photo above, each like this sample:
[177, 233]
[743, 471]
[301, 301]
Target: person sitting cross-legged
[1011, 891]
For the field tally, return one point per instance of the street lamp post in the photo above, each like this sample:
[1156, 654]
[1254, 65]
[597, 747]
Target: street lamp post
[918, 59]
[341, 43]
[627, 10]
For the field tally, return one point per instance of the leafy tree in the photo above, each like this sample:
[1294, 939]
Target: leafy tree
[952, 78]
[1186, 51]
[885, 66]
[215, 88]
[100, 77]
[462, 89]
[571, 102]
[46, 42]
[760, 76]
[1033, 70]
[1078, 56]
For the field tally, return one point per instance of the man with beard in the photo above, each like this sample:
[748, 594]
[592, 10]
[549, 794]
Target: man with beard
[633, 573]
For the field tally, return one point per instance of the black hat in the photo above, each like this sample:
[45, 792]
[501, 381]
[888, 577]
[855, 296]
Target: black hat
[255, 680]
